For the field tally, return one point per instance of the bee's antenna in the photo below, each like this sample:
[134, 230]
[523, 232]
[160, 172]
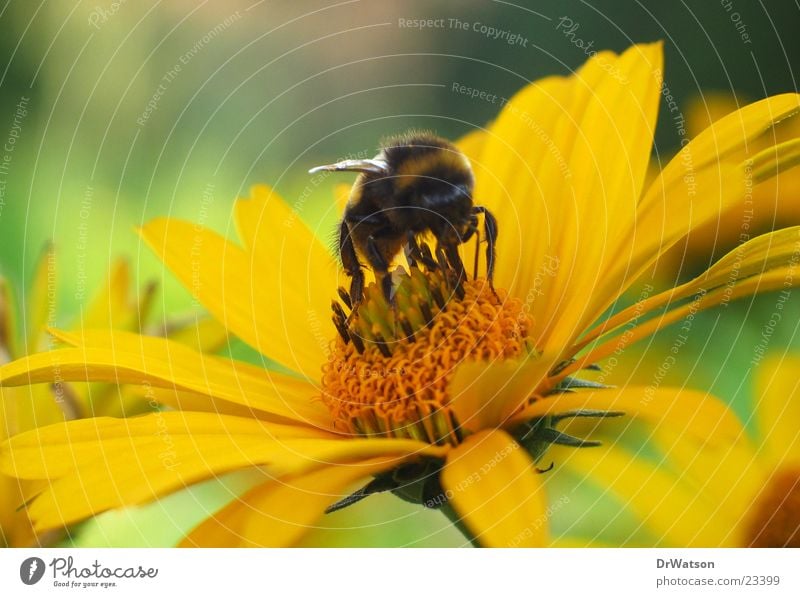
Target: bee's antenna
[373, 166]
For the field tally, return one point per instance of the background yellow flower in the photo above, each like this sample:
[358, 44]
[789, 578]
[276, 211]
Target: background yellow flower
[742, 494]
[23, 330]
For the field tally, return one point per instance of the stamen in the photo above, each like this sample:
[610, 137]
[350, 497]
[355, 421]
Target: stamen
[392, 378]
[358, 343]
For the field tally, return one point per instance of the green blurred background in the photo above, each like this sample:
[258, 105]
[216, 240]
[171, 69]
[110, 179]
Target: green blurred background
[136, 109]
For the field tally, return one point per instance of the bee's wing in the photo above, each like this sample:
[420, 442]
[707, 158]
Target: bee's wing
[373, 166]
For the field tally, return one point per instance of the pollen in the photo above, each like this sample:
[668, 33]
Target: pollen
[775, 519]
[388, 372]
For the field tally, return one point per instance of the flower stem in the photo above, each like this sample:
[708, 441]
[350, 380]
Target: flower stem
[458, 522]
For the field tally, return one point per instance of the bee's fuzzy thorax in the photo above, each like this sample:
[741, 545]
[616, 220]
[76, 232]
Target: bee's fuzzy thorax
[418, 184]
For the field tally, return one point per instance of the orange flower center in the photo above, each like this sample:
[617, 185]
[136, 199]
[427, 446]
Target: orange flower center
[775, 519]
[389, 371]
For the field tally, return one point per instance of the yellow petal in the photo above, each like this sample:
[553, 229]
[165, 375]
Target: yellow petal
[472, 144]
[485, 394]
[28, 407]
[774, 160]
[121, 357]
[697, 413]
[728, 135]
[105, 463]
[680, 516]
[248, 214]
[507, 172]
[728, 473]
[55, 450]
[776, 279]
[708, 177]
[289, 260]
[757, 256]
[755, 266]
[610, 160]
[777, 407]
[681, 208]
[585, 542]
[567, 158]
[706, 109]
[275, 297]
[280, 512]
[493, 485]
[184, 401]
[16, 529]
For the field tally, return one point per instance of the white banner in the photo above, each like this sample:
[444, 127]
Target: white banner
[401, 572]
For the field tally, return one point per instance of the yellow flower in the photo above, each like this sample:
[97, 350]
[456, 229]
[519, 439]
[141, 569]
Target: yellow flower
[446, 400]
[742, 494]
[24, 409]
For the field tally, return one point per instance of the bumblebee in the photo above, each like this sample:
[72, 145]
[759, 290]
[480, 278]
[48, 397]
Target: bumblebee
[418, 183]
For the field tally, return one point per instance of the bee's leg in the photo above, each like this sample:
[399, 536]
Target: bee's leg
[347, 253]
[490, 230]
[477, 254]
[411, 250]
[472, 229]
[380, 265]
[415, 255]
[450, 248]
